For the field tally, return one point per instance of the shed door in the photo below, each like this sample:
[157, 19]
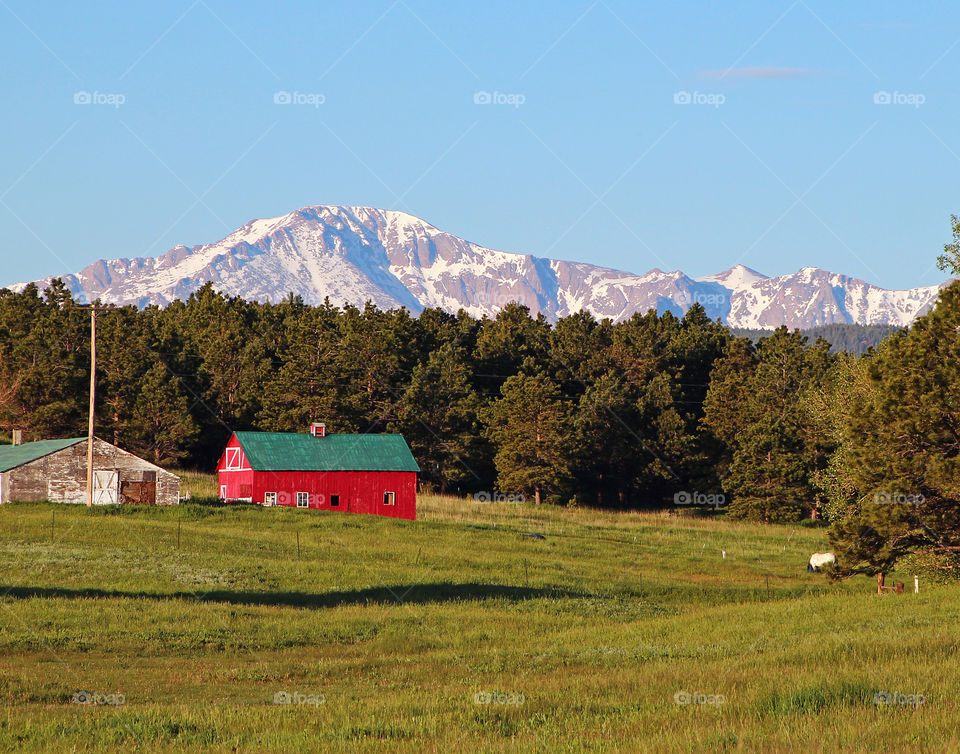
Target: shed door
[105, 487]
[138, 492]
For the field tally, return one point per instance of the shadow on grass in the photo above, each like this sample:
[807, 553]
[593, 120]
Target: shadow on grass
[418, 594]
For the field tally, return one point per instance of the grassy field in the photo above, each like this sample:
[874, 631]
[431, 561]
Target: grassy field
[198, 484]
[630, 632]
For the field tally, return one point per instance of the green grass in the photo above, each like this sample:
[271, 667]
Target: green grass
[390, 629]
[198, 484]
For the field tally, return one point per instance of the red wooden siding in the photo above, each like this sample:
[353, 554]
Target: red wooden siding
[359, 491]
[239, 482]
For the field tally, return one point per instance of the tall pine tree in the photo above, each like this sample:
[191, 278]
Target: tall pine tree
[527, 425]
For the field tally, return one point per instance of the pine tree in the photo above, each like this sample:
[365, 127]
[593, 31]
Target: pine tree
[902, 440]
[949, 261]
[123, 357]
[307, 386]
[161, 416]
[439, 417]
[760, 412]
[578, 352]
[829, 408]
[528, 428]
[230, 361]
[504, 343]
[51, 360]
[605, 447]
[371, 356]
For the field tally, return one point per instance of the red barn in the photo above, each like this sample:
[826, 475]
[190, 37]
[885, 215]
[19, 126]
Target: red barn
[352, 473]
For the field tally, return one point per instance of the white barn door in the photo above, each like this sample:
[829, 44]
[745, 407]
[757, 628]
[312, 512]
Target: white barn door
[106, 486]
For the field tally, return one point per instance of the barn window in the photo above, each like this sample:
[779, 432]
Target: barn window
[233, 458]
[269, 498]
[334, 501]
[303, 499]
[389, 498]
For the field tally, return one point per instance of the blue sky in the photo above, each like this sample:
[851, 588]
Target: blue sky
[588, 149]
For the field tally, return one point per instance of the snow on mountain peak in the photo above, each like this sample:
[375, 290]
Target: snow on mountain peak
[735, 278]
[355, 254]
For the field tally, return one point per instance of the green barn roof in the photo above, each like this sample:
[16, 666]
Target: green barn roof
[12, 456]
[286, 451]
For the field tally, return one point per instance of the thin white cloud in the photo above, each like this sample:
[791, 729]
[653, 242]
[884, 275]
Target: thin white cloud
[759, 72]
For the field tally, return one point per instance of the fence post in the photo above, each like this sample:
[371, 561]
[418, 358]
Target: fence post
[880, 583]
[916, 584]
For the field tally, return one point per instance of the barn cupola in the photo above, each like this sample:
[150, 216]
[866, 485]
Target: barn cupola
[318, 430]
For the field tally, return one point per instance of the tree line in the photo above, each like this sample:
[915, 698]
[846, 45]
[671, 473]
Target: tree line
[856, 339]
[653, 411]
[584, 410]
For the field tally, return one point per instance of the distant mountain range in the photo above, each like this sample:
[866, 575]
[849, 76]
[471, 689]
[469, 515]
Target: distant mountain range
[356, 254]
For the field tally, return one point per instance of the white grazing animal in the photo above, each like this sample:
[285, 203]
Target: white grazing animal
[820, 559]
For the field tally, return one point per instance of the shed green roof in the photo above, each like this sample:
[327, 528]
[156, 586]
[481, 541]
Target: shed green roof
[286, 451]
[12, 456]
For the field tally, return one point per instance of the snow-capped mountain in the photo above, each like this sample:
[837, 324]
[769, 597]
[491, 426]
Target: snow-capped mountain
[356, 254]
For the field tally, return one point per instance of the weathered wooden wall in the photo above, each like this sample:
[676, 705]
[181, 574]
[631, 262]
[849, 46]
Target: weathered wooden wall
[62, 476]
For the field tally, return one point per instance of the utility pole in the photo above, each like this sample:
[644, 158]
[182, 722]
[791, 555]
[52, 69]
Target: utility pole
[93, 396]
[93, 393]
